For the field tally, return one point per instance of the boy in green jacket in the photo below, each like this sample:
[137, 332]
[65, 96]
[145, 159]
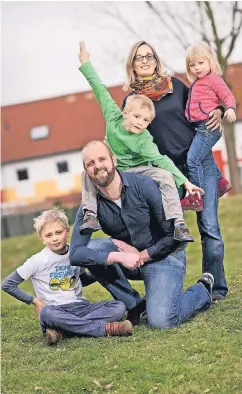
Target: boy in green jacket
[135, 151]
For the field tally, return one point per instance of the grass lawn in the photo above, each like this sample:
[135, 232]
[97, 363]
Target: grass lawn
[202, 356]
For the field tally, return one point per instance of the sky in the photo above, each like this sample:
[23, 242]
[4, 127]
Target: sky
[39, 45]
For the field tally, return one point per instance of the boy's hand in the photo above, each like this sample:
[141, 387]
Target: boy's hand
[230, 115]
[83, 55]
[39, 305]
[193, 189]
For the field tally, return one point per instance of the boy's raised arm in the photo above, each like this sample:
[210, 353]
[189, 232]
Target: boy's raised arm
[109, 108]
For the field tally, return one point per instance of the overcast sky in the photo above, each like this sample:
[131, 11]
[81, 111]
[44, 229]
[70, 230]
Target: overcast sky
[39, 46]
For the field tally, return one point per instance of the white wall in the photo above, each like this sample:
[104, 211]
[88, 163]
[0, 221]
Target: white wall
[42, 169]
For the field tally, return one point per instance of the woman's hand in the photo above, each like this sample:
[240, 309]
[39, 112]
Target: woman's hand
[193, 189]
[215, 120]
[230, 115]
[84, 55]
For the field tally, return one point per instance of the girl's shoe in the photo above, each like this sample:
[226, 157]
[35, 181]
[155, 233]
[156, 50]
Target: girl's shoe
[223, 186]
[191, 203]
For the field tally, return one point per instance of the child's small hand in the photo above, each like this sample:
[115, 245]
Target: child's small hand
[84, 55]
[230, 115]
[193, 189]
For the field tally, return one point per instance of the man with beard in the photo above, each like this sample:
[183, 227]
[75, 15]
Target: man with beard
[141, 246]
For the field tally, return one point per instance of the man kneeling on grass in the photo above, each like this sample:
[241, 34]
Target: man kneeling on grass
[59, 304]
[130, 211]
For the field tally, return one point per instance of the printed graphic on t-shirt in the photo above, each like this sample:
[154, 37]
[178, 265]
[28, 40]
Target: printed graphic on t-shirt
[63, 278]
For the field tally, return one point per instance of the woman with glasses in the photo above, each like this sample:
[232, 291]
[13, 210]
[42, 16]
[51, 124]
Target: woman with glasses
[173, 135]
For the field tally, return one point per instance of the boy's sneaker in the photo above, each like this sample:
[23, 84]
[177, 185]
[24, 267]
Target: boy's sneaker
[207, 280]
[182, 233]
[90, 224]
[223, 186]
[53, 337]
[191, 203]
[122, 329]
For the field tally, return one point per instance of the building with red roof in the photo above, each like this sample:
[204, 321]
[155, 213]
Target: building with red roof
[42, 142]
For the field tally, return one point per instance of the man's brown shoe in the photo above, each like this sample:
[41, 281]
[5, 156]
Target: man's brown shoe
[123, 328]
[52, 337]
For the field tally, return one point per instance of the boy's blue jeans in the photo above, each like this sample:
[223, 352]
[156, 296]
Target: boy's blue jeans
[201, 150]
[81, 318]
[167, 304]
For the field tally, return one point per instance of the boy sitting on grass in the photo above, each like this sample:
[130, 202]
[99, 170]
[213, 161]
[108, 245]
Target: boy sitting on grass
[59, 303]
[135, 151]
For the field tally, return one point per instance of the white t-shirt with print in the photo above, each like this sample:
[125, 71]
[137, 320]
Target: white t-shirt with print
[55, 281]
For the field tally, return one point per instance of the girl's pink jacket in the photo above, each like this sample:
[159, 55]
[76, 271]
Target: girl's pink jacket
[206, 94]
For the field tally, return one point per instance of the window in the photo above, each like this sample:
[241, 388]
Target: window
[6, 126]
[39, 133]
[62, 166]
[22, 175]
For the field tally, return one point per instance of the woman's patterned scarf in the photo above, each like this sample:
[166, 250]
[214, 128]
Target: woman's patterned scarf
[153, 87]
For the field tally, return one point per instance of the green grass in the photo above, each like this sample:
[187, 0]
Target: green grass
[202, 356]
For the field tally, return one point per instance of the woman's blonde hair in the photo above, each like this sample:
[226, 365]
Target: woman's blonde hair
[198, 51]
[52, 215]
[130, 74]
[144, 101]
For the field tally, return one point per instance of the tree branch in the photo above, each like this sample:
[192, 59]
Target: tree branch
[235, 30]
[203, 30]
[169, 26]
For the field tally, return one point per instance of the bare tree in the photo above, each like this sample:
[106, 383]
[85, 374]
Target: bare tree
[178, 25]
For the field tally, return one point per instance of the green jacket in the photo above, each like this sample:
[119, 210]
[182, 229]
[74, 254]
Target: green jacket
[131, 150]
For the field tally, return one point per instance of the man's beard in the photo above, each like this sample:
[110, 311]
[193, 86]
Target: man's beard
[105, 180]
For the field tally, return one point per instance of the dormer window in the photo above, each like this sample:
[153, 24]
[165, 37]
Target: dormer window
[39, 132]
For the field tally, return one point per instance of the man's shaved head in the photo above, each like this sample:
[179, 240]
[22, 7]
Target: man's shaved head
[99, 162]
[92, 144]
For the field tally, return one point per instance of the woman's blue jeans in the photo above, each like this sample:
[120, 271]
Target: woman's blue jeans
[207, 219]
[167, 304]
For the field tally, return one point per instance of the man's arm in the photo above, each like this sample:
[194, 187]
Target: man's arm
[81, 255]
[109, 108]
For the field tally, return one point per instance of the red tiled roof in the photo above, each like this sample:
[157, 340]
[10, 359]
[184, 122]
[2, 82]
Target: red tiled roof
[73, 120]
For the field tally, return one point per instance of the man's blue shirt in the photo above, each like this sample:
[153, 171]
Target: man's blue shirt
[139, 222]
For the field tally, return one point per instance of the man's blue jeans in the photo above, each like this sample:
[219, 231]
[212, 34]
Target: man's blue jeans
[81, 318]
[167, 304]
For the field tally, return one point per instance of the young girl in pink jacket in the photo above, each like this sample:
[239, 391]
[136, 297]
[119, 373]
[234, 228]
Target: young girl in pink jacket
[207, 91]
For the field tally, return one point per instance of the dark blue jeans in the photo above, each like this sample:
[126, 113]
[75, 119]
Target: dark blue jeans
[167, 304]
[81, 318]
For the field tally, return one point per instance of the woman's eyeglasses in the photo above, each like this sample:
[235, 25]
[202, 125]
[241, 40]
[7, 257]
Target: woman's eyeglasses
[149, 57]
